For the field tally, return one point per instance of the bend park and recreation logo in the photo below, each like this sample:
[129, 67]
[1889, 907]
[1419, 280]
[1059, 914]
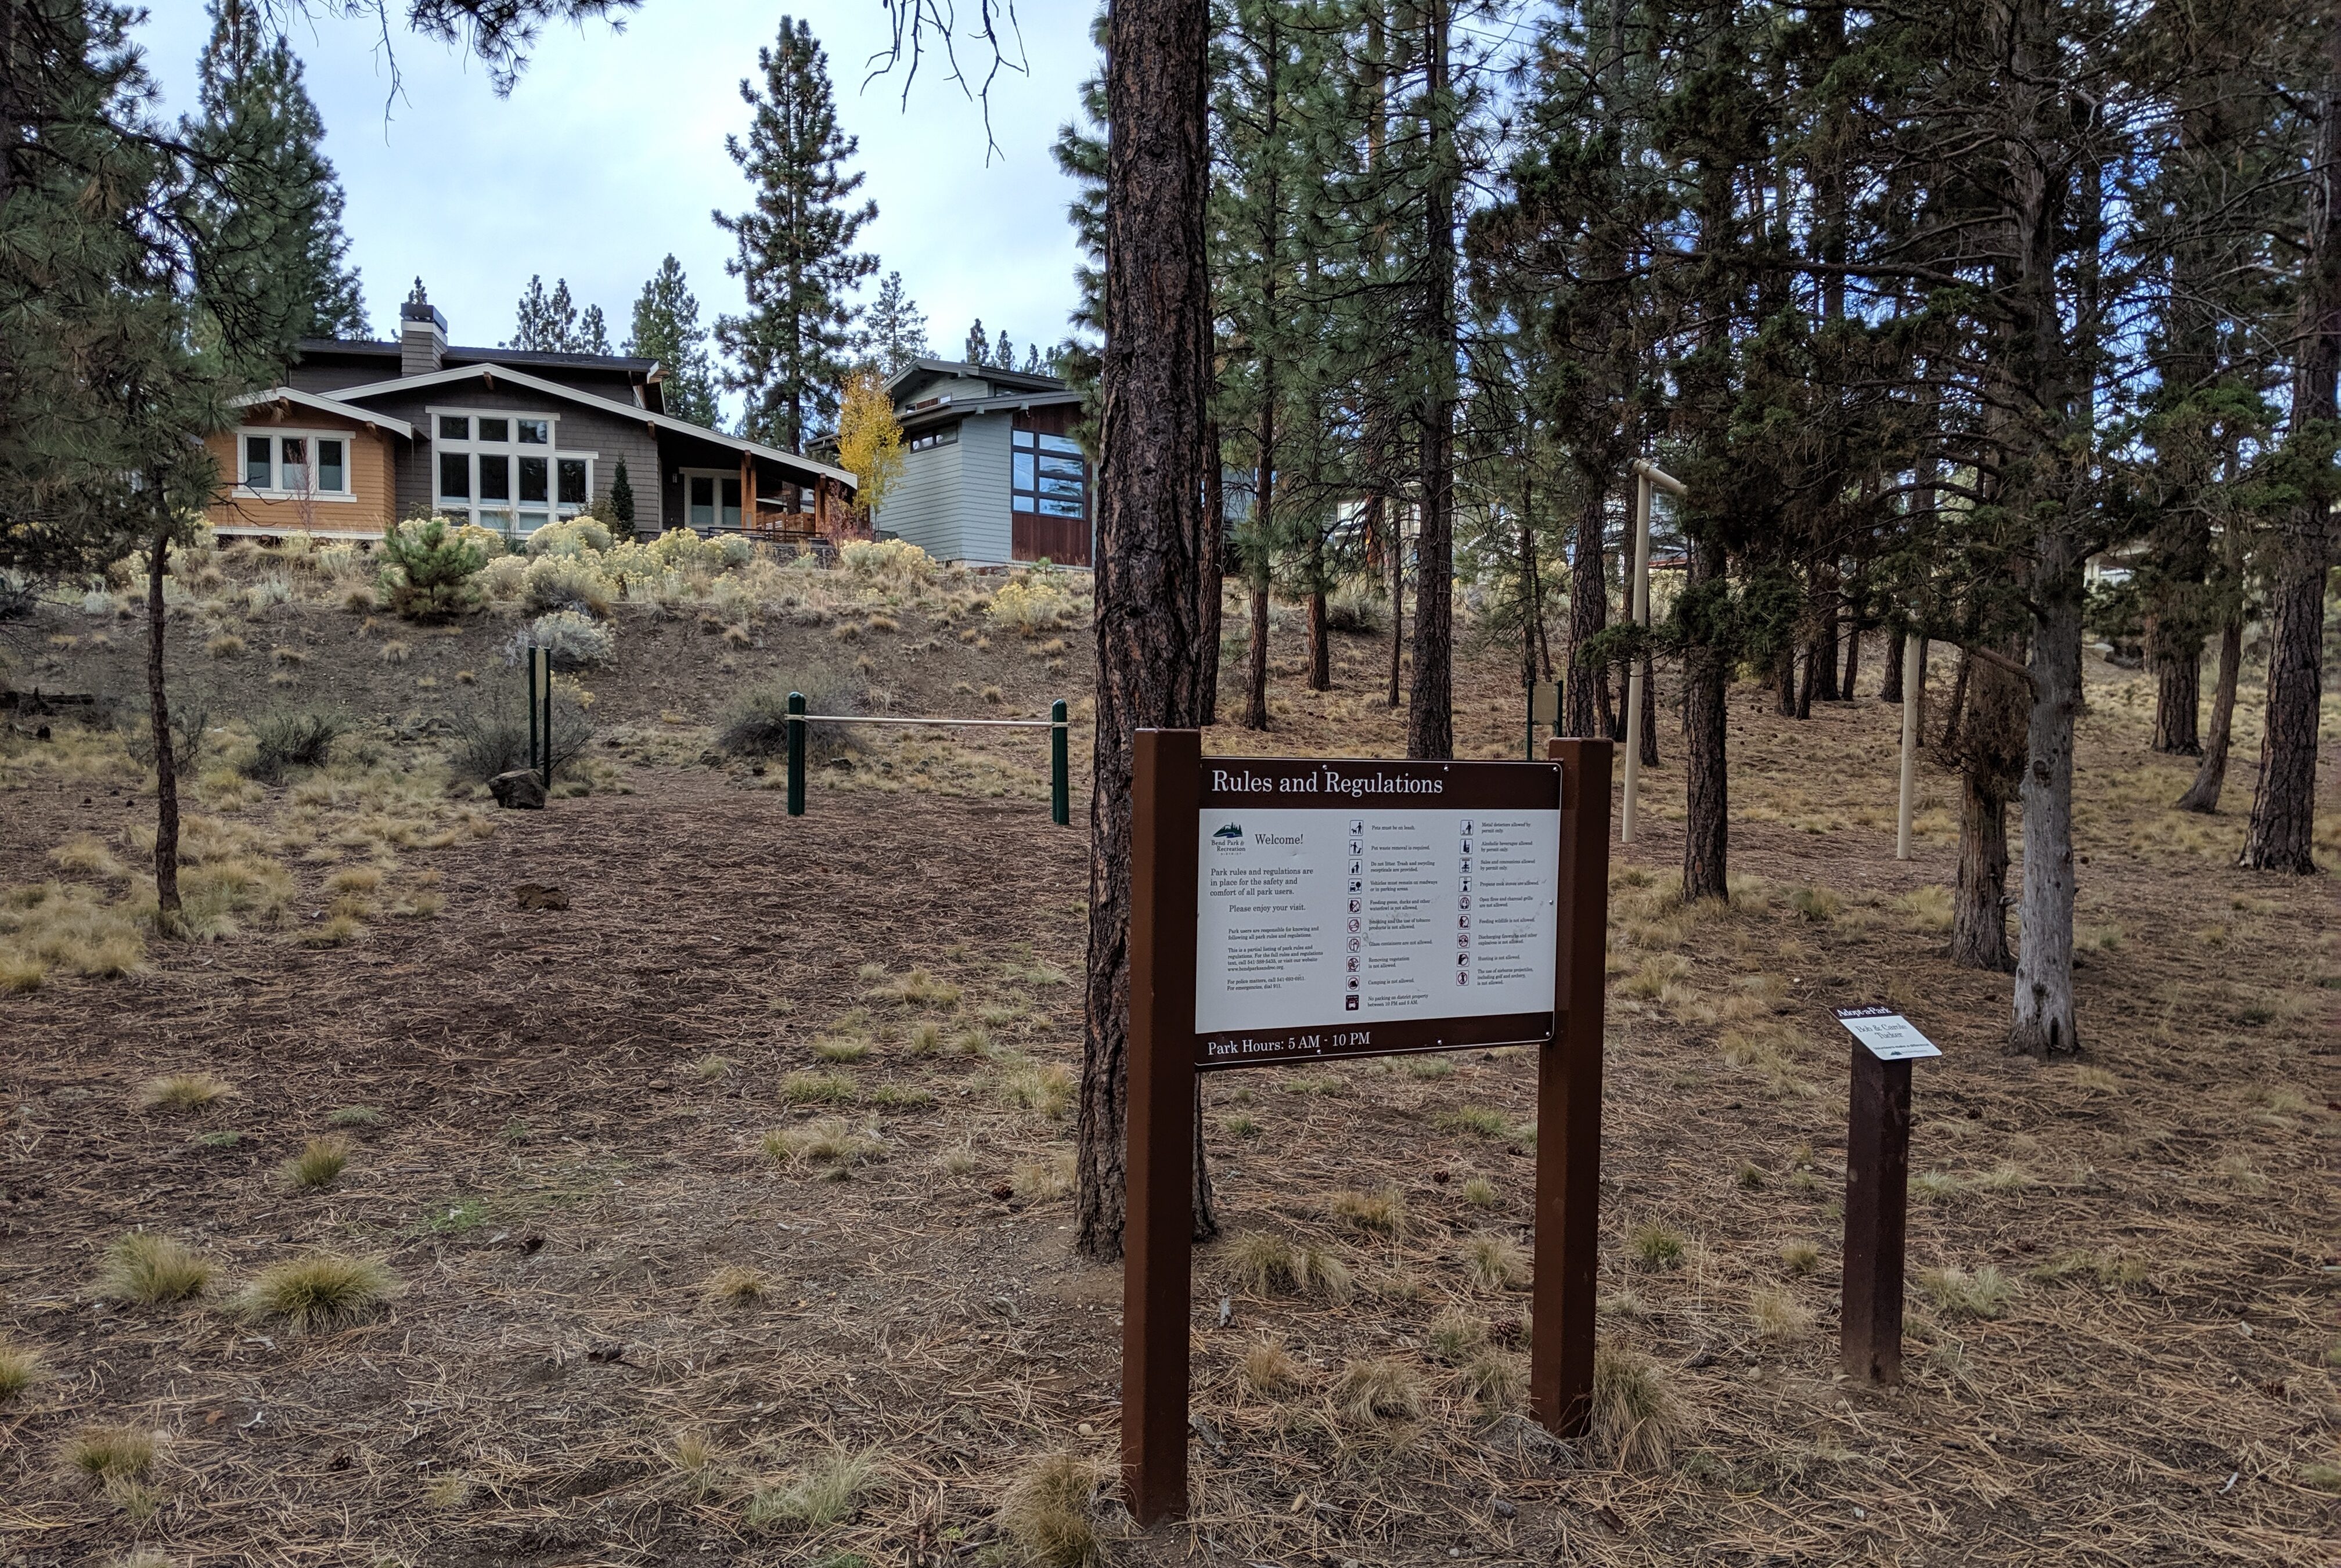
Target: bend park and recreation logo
[1232, 833]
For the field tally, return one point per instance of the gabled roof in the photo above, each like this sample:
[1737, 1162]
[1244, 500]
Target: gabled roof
[608, 406]
[627, 365]
[954, 370]
[323, 405]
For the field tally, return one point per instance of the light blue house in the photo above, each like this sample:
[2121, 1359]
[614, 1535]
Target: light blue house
[991, 473]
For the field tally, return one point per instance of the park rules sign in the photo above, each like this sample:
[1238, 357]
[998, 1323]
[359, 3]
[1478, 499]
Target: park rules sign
[1358, 908]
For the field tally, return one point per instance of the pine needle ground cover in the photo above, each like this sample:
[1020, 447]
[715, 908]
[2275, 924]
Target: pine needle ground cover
[2122, 1351]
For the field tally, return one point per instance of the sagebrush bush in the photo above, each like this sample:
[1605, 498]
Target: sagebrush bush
[502, 579]
[887, 561]
[1355, 606]
[573, 537]
[492, 737]
[1028, 608]
[284, 740]
[576, 582]
[756, 722]
[576, 641]
[428, 569]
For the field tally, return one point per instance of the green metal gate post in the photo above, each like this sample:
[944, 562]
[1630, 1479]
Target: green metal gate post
[1061, 784]
[796, 753]
[532, 710]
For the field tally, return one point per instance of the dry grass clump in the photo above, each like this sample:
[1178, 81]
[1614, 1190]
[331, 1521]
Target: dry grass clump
[1477, 1120]
[21, 1367]
[225, 645]
[2111, 1271]
[1377, 1389]
[147, 1269]
[736, 1285]
[182, 1092]
[1635, 1416]
[1269, 1264]
[1657, 1246]
[699, 1462]
[1492, 1262]
[1383, 1211]
[1480, 1193]
[1817, 906]
[1043, 1086]
[828, 1141]
[840, 1047]
[1778, 1316]
[1267, 1370]
[918, 988]
[1496, 1380]
[396, 652]
[816, 1090]
[320, 1290]
[68, 926]
[318, 1163]
[1454, 1338]
[1957, 1294]
[1929, 907]
[818, 1496]
[1800, 1257]
[111, 1452]
[1049, 1510]
[893, 1096]
[1036, 1181]
[356, 1117]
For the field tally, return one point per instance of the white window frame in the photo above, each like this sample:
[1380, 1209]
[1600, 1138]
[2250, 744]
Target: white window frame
[277, 435]
[504, 517]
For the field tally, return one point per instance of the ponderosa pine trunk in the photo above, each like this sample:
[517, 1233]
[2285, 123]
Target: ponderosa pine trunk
[1398, 599]
[1707, 785]
[167, 913]
[1582, 709]
[2211, 773]
[1320, 646]
[1852, 658]
[1210, 581]
[1890, 689]
[1256, 662]
[1960, 680]
[2282, 833]
[1784, 682]
[2281, 836]
[1150, 528]
[2045, 1021]
[2177, 694]
[1650, 710]
[1430, 705]
[1990, 752]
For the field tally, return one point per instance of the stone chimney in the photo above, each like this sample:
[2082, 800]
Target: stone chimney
[422, 334]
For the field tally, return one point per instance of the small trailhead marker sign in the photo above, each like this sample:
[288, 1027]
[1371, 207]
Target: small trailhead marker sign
[1876, 1189]
[1293, 909]
[1888, 1035]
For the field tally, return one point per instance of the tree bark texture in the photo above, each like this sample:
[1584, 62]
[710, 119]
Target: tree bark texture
[1890, 689]
[2178, 698]
[1256, 662]
[166, 763]
[2044, 1024]
[1959, 681]
[1150, 525]
[2211, 773]
[1990, 753]
[1398, 597]
[2281, 836]
[1430, 705]
[1649, 737]
[1852, 658]
[1210, 581]
[1707, 788]
[1582, 710]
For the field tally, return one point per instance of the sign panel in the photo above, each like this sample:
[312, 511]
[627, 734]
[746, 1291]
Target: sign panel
[1358, 908]
[1887, 1033]
[1544, 702]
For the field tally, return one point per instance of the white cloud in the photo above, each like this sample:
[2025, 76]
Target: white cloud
[609, 154]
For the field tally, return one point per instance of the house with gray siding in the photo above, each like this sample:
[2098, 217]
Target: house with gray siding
[991, 471]
[363, 433]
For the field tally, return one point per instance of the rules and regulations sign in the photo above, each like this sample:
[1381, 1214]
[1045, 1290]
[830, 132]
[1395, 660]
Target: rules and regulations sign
[1356, 908]
[1887, 1033]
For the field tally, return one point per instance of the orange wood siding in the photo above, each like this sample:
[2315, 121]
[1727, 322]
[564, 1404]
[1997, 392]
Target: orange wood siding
[369, 511]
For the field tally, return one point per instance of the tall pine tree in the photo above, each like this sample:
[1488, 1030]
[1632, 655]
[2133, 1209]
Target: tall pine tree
[544, 323]
[894, 329]
[666, 329]
[795, 258]
[267, 195]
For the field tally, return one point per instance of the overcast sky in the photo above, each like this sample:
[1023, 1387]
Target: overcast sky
[609, 154]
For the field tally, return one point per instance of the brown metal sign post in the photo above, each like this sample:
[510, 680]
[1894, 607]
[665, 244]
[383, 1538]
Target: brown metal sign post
[1341, 908]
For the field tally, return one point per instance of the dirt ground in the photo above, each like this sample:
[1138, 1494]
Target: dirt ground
[2123, 1338]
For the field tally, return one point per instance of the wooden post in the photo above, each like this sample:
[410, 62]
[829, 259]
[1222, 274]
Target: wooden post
[1568, 1100]
[1912, 683]
[1877, 1194]
[1157, 1231]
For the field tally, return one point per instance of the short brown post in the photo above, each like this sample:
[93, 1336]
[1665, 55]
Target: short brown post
[1158, 1227]
[1877, 1196]
[1568, 1101]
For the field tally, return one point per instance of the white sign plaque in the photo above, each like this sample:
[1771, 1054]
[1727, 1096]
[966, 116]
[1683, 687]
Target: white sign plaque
[1359, 915]
[1887, 1033]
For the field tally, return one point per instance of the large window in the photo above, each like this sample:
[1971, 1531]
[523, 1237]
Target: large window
[504, 471]
[710, 499]
[942, 435]
[1046, 475]
[294, 465]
